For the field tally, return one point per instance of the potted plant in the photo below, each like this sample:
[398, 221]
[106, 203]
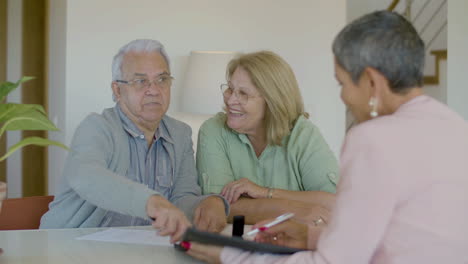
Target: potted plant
[23, 117]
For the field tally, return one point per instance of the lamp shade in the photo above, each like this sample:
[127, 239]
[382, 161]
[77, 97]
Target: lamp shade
[206, 71]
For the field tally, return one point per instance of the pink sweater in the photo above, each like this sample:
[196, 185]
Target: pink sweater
[403, 194]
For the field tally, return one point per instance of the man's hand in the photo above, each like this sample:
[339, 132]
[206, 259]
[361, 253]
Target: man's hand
[168, 219]
[233, 190]
[210, 215]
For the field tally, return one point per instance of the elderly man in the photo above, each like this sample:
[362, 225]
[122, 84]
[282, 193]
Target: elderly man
[133, 164]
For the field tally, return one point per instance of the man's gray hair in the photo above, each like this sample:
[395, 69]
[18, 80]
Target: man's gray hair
[385, 41]
[138, 45]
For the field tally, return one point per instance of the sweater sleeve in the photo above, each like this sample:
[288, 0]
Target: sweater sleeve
[235, 256]
[87, 171]
[366, 197]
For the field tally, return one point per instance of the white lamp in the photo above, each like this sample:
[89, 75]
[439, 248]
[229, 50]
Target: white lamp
[206, 71]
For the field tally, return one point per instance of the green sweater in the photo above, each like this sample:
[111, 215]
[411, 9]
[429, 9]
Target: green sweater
[303, 163]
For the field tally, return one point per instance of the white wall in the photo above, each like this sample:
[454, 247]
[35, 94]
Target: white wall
[57, 87]
[457, 92]
[439, 91]
[301, 31]
[14, 69]
[357, 8]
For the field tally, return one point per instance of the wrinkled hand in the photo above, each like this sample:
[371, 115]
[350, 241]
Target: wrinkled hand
[311, 214]
[233, 190]
[290, 233]
[207, 253]
[210, 215]
[168, 219]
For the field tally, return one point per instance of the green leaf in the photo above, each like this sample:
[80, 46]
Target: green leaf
[10, 110]
[32, 141]
[30, 120]
[7, 87]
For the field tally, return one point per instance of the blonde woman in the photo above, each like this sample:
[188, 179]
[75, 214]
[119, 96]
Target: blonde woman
[263, 154]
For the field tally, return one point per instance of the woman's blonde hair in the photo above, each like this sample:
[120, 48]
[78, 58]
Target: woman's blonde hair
[275, 80]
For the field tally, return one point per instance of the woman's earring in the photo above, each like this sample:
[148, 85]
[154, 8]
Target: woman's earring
[373, 104]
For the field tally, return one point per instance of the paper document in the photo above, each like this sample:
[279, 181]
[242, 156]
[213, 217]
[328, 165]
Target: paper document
[132, 236]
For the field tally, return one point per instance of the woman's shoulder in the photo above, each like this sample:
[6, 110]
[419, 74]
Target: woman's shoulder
[215, 125]
[377, 127]
[369, 134]
[304, 129]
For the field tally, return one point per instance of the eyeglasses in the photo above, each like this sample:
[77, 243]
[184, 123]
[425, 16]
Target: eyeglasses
[242, 97]
[163, 81]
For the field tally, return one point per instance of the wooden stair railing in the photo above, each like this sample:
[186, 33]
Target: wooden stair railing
[393, 4]
[434, 79]
[439, 55]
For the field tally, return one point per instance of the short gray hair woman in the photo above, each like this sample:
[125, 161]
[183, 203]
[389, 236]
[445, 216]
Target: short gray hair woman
[398, 53]
[402, 194]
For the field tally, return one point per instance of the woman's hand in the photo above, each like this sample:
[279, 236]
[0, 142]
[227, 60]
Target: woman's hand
[233, 190]
[290, 233]
[206, 253]
[303, 231]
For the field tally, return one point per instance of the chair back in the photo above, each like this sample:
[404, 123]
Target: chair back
[23, 213]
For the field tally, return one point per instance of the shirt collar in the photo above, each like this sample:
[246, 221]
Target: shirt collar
[164, 133]
[243, 137]
[135, 132]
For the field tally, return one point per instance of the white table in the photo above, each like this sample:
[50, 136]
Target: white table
[60, 246]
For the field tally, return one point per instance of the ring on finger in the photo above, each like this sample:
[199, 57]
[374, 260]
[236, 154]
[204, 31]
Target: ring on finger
[319, 221]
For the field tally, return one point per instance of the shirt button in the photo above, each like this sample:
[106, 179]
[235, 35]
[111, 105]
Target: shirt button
[333, 177]
[142, 136]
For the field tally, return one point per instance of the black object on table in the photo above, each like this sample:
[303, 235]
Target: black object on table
[238, 226]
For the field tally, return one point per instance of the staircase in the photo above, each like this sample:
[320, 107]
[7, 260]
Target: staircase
[435, 79]
[429, 17]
